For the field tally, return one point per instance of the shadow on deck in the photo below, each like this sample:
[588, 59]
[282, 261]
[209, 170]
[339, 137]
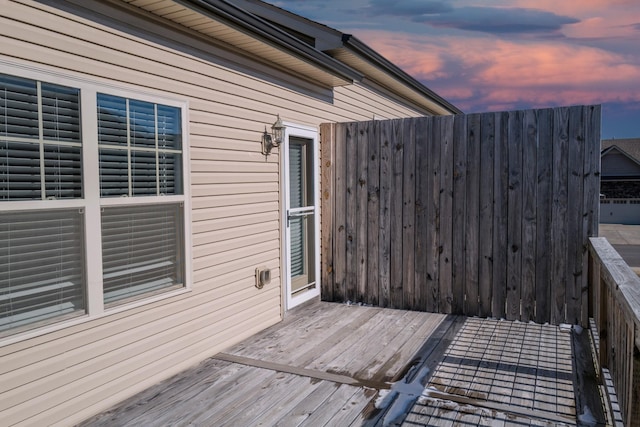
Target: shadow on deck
[328, 364]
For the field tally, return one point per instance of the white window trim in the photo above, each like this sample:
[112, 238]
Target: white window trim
[92, 202]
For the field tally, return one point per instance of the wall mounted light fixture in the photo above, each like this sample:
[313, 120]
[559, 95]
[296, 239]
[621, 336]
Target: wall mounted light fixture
[273, 139]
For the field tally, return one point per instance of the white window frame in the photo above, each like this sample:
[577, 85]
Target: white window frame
[92, 203]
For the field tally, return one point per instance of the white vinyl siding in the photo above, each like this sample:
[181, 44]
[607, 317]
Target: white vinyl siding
[233, 201]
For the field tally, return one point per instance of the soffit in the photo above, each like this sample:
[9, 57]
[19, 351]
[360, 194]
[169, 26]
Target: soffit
[304, 61]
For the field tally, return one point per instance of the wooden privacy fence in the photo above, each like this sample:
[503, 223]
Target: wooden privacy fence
[480, 214]
[615, 306]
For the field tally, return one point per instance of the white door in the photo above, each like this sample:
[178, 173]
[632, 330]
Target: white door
[301, 220]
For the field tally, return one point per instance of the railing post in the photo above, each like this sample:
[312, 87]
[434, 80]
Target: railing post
[603, 320]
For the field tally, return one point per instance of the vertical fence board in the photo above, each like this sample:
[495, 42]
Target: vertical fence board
[433, 217]
[327, 133]
[529, 213]
[384, 239]
[397, 168]
[482, 214]
[351, 210]
[408, 213]
[373, 214]
[460, 167]
[591, 205]
[498, 216]
[514, 221]
[340, 203]
[543, 215]
[559, 239]
[486, 253]
[446, 213]
[422, 130]
[575, 203]
[362, 190]
[475, 303]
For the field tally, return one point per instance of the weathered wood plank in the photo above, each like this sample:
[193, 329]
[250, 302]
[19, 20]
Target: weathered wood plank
[591, 205]
[231, 400]
[307, 406]
[340, 203]
[458, 254]
[289, 403]
[493, 210]
[514, 220]
[373, 214]
[422, 129]
[475, 303]
[334, 404]
[433, 218]
[351, 226]
[251, 413]
[384, 239]
[559, 223]
[362, 190]
[290, 334]
[586, 378]
[529, 215]
[388, 362]
[575, 219]
[327, 210]
[408, 214]
[446, 214]
[543, 215]
[395, 213]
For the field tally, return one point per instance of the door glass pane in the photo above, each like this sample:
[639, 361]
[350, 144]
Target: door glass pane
[301, 216]
[302, 253]
[300, 181]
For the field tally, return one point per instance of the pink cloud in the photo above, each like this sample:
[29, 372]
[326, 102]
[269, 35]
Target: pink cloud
[497, 72]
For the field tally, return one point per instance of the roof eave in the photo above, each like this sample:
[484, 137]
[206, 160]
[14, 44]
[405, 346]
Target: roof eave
[396, 74]
[235, 17]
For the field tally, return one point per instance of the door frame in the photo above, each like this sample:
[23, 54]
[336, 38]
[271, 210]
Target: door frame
[311, 133]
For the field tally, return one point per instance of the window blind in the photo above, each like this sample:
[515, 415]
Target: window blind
[296, 200]
[39, 136]
[140, 147]
[42, 271]
[142, 251]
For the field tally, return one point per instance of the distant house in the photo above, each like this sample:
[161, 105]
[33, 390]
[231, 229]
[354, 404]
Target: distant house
[620, 175]
[620, 181]
[143, 227]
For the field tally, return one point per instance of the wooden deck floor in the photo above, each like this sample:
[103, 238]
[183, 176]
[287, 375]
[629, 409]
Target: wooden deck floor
[327, 364]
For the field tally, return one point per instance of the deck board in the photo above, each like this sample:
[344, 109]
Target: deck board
[325, 364]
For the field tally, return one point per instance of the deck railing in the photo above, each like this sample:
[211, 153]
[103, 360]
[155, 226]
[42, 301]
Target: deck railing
[615, 307]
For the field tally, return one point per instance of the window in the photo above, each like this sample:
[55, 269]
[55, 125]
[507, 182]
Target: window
[40, 140]
[58, 213]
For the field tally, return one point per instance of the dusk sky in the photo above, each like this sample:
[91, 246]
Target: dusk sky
[494, 55]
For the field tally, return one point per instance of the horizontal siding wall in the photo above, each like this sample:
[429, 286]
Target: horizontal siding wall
[70, 374]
